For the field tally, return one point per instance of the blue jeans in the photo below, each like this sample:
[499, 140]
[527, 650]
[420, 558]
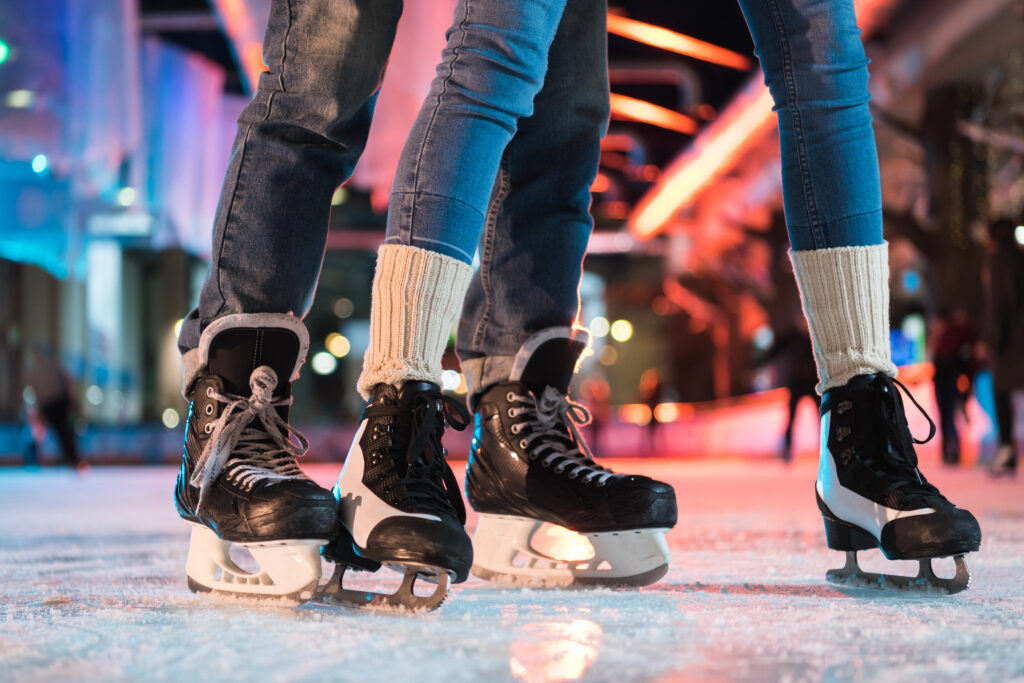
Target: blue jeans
[524, 191]
[815, 67]
[501, 158]
[298, 139]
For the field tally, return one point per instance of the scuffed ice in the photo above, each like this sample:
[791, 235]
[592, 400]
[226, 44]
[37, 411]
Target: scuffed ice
[92, 586]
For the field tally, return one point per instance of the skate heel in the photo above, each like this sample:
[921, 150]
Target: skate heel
[342, 550]
[841, 535]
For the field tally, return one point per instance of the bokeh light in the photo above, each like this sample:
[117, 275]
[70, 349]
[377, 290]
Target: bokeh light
[622, 330]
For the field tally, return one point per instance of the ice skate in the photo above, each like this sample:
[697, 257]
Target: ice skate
[239, 483]
[872, 495]
[399, 502]
[549, 515]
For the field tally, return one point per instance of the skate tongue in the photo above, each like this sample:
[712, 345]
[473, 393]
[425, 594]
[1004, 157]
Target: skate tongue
[549, 360]
[236, 352]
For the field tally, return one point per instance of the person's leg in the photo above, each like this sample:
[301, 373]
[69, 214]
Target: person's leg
[1006, 457]
[869, 488]
[538, 222]
[519, 349]
[58, 416]
[298, 139]
[794, 402]
[491, 70]
[946, 398]
[399, 501]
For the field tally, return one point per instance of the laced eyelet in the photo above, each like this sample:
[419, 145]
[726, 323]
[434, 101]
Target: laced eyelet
[515, 428]
[209, 391]
[208, 428]
[522, 443]
[602, 483]
[559, 470]
[209, 409]
[511, 412]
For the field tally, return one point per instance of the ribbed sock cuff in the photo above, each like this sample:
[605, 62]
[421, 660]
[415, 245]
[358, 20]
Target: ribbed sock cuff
[417, 297]
[845, 295]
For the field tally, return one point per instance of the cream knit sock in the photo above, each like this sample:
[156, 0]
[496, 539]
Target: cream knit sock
[845, 295]
[417, 297]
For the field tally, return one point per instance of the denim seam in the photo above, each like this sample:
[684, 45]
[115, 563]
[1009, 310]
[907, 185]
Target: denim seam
[392, 240]
[805, 173]
[241, 165]
[433, 115]
[487, 252]
[421, 193]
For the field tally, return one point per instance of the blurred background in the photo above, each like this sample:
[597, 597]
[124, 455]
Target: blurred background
[116, 119]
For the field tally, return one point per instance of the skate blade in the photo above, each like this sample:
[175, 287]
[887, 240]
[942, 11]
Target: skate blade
[402, 600]
[288, 574]
[511, 551]
[926, 582]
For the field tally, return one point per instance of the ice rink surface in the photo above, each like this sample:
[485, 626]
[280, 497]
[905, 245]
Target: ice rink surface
[93, 587]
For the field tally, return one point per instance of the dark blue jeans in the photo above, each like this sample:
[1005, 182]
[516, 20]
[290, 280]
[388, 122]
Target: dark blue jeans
[528, 200]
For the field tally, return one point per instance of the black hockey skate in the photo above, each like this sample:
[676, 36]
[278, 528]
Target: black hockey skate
[399, 502]
[871, 493]
[239, 481]
[530, 468]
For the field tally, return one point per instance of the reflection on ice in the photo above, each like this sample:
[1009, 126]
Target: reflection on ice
[561, 544]
[555, 651]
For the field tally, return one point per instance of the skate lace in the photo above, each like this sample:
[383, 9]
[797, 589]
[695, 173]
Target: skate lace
[890, 449]
[415, 446]
[250, 439]
[552, 437]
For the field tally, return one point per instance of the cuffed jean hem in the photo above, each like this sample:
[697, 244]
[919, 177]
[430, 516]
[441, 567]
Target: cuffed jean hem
[860, 230]
[483, 373]
[438, 223]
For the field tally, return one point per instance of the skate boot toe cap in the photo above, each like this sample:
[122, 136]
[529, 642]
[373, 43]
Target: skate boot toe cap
[290, 509]
[641, 502]
[945, 532]
[443, 544]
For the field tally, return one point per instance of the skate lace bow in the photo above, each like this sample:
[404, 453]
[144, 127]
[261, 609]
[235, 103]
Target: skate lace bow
[554, 437]
[255, 454]
[898, 459]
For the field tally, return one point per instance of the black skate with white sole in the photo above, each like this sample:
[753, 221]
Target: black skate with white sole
[239, 482]
[399, 502]
[872, 495]
[530, 468]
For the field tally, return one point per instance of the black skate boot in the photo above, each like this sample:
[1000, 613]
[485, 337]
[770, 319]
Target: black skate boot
[872, 494]
[398, 500]
[239, 481]
[530, 465]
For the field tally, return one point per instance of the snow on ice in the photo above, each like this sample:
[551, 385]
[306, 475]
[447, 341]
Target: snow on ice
[93, 587]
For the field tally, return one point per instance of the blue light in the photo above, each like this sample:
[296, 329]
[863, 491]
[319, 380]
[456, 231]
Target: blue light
[911, 281]
[39, 163]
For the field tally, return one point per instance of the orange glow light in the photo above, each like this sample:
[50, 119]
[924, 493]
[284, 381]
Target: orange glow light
[659, 37]
[562, 544]
[715, 151]
[711, 154]
[600, 184]
[635, 413]
[637, 110]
